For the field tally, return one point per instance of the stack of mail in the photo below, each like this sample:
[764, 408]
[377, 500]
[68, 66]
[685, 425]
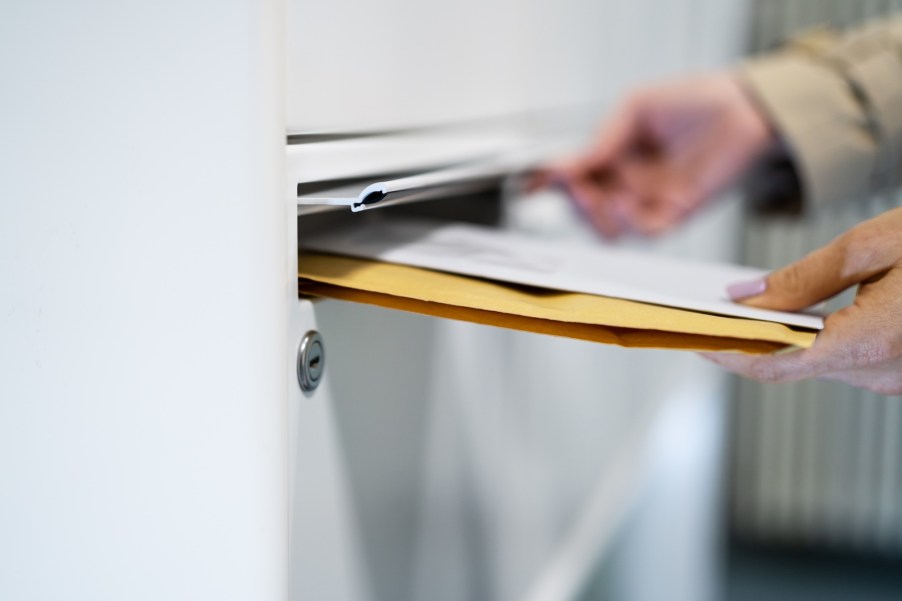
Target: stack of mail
[485, 276]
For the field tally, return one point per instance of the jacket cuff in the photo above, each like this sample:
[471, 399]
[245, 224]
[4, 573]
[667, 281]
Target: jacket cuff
[822, 124]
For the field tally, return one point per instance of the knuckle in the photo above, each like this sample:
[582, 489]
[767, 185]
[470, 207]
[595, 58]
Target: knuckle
[763, 372]
[888, 349]
[791, 281]
[890, 388]
[861, 248]
[868, 353]
[872, 352]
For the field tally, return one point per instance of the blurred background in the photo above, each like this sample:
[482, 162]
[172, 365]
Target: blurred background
[509, 466]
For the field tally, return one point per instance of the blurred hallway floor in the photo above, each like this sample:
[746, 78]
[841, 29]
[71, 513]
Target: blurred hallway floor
[755, 574]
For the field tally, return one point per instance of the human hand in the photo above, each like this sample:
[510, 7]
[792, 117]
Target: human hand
[663, 153]
[860, 344]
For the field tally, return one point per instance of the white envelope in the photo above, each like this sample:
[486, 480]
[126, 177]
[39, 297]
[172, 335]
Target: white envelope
[508, 257]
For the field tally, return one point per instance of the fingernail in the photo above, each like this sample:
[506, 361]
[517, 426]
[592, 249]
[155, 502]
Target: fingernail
[743, 290]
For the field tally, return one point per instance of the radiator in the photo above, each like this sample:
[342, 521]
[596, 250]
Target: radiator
[814, 464]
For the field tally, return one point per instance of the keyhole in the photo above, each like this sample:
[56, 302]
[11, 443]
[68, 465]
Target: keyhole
[311, 361]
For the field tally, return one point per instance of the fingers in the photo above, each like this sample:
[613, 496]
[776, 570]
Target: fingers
[822, 274]
[785, 367]
[609, 183]
[634, 197]
[617, 134]
[845, 344]
[662, 199]
[882, 378]
[534, 181]
[882, 381]
[860, 344]
[603, 206]
[614, 138]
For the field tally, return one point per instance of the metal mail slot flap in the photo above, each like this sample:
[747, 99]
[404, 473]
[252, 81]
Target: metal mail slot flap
[369, 170]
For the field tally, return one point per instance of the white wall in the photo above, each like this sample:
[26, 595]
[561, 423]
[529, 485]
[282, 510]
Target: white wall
[369, 65]
[144, 300]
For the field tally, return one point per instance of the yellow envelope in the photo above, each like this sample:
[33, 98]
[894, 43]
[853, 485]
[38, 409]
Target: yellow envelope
[573, 315]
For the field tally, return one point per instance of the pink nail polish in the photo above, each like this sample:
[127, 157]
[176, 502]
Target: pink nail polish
[743, 290]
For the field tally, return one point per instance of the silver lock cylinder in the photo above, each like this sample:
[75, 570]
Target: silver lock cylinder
[311, 361]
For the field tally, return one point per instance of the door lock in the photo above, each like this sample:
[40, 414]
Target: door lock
[311, 361]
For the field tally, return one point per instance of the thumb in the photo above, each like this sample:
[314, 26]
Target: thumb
[614, 138]
[822, 274]
[617, 133]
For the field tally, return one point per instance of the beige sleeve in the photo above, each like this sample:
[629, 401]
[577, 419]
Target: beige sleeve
[836, 101]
